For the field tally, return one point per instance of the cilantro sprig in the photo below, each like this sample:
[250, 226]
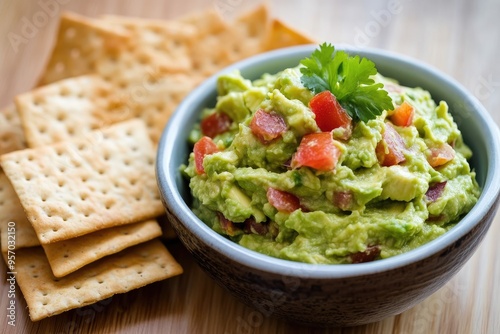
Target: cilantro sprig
[349, 79]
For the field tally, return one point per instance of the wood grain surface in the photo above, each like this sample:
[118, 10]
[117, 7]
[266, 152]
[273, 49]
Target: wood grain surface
[459, 37]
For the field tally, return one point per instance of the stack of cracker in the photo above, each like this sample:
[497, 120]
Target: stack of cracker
[79, 204]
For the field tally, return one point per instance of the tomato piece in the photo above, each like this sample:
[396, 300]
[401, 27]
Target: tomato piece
[318, 151]
[370, 254]
[329, 113]
[202, 148]
[228, 226]
[435, 191]
[441, 155]
[390, 150]
[267, 126]
[343, 200]
[283, 201]
[215, 124]
[403, 115]
[252, 227]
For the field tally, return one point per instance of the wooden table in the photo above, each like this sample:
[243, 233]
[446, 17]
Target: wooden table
[460, 37]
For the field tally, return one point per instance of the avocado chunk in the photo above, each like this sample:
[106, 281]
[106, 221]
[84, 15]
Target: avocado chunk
[402, 185]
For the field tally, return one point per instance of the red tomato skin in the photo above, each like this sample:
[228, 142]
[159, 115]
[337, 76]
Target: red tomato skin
[283, 201]
[202, 148]
[318, 151]
[267, 126]
[395, 146]
[403, 115]
[215, 124]
[330, 114]
[441, 155]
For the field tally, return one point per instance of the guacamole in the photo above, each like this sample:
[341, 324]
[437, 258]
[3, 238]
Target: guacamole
[266, 174]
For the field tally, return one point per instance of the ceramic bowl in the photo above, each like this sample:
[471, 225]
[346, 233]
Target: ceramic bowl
[333, 295]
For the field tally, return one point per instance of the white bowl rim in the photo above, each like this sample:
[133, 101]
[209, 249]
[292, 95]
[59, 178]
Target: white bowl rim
[282, 267]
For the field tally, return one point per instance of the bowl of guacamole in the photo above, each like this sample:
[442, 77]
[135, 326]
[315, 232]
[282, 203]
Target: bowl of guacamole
[350, 183]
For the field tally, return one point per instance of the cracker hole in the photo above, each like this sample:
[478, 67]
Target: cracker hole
[75, 53]
[65, 256]
[59, 152]
[77, 287]
[65, 91]
[71, 130]
[100, 281]
[45, 294]
[61, 183]
[109, 204]
[59, 67]
[61, 117]
[44, 303]
[70, 33]
[84, 196]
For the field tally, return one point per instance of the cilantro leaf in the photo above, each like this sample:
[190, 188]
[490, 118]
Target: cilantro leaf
[349, 79]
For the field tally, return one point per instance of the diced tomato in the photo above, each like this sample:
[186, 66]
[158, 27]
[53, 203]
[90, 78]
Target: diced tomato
[329, 113]
[343, 200]
[202, 148]
[403, 115]
[370, 254]
[267, 126]
[283, 201]
[251, 226]
[228, 226]
[318, 151]
[441, 155]
[435, 191]
[215, 124]
[390, 150]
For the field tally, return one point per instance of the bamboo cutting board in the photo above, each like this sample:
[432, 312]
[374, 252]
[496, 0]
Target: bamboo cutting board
[459, 37]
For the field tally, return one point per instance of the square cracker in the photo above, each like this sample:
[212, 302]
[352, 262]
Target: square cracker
[235, 41]
[13, 221]
[164, 41]
[68, 108]
[70, 255]
[130, 269]
[11, 131]
[80, 42]
[103, 179]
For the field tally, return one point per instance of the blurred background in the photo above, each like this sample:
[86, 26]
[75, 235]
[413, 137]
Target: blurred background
[459, 37]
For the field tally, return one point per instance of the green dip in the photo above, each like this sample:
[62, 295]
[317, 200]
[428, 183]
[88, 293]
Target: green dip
[383, 210]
